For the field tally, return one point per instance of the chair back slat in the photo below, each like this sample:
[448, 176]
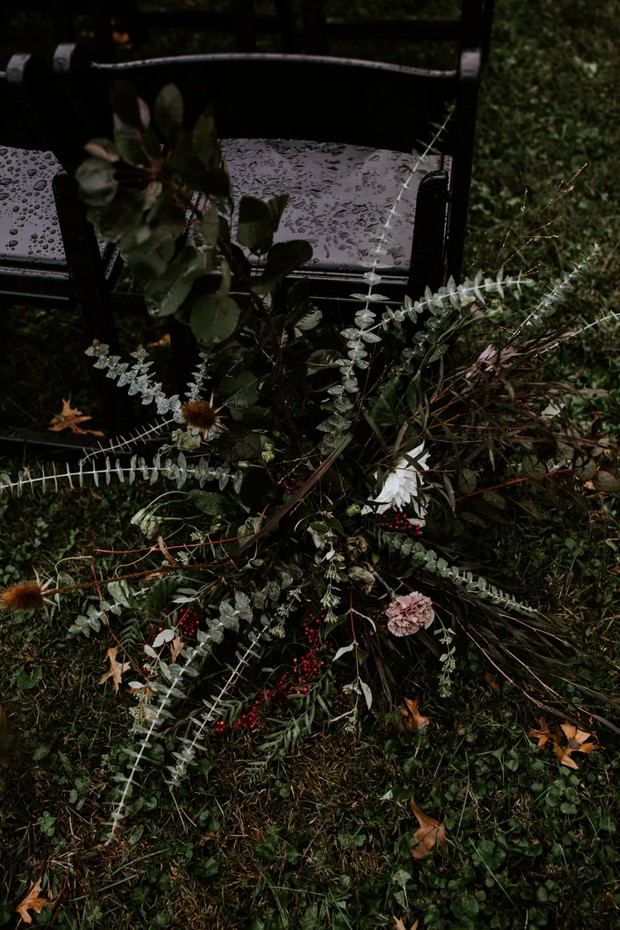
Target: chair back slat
[274, 96]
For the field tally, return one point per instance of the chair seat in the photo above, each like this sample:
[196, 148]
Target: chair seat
[32, 254]
[344, 195]
[339, 197]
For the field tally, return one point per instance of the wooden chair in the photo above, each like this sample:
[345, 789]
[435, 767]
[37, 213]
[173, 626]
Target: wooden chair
[333, 134]
[336, 135]
[49, 256]
[327, 30]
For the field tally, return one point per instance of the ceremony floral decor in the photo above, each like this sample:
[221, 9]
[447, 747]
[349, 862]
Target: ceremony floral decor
[332, 494]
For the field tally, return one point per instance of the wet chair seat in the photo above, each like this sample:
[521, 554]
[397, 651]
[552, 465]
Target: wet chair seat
[337, 137]
[340, 198]
[33, 260]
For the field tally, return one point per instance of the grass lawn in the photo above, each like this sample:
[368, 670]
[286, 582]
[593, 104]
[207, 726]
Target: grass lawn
[489, 813]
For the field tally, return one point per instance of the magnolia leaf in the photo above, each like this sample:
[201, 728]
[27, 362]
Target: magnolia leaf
[70, 418]
[165, 293]
[149, 249]
[214, 319]
[429, 833]
[169, 110]
[127, 106]
[97, 182]
[32, 902]
[116, 670]
[259, 220]
[283, 258]
[415, 720]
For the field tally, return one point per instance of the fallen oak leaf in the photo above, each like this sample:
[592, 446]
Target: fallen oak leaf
[544, 734]
[576, 743]
[415, 720]
[116, 670]
[70, 418]
[399, 925]
[32, 902]
[429, 833]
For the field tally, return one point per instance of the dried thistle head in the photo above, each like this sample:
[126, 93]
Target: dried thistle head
[26, 595]
[201, 415]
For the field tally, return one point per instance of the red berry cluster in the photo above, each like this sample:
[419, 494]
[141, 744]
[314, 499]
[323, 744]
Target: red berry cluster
[187, 625]
[292, 684]
[188, 622]
[397, 521]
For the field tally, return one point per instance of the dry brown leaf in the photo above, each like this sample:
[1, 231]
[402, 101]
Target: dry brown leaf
[399, 925]
[492, 682]
[70, 418]
[576, 743]
[176, 647]
[429, 833]
[115, 672]
[543, 735]
[415, 720]
[32, 902]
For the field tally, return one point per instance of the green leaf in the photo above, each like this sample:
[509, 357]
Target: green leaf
[215, 505]
[259, 220]
[214, 319]
[283, 258]
[148, 249]
[239, 391]
[386, 411]
[169, 110]
[127, 106]
[25, 680]
[136, 146]
[115, 219]
[205, 142]
[165, 293]
[96, 181]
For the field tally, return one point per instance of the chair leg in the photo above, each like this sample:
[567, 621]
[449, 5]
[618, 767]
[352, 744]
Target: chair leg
[429, 235]
[91, 293]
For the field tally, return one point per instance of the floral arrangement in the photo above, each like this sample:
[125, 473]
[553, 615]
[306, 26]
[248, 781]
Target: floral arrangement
[339, 484]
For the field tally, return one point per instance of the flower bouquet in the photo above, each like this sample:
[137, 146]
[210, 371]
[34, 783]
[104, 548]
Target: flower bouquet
[351, 484]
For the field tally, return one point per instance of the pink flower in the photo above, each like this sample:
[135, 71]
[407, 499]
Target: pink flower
[409, 613]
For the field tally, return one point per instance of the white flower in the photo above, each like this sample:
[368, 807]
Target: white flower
[403, 485]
